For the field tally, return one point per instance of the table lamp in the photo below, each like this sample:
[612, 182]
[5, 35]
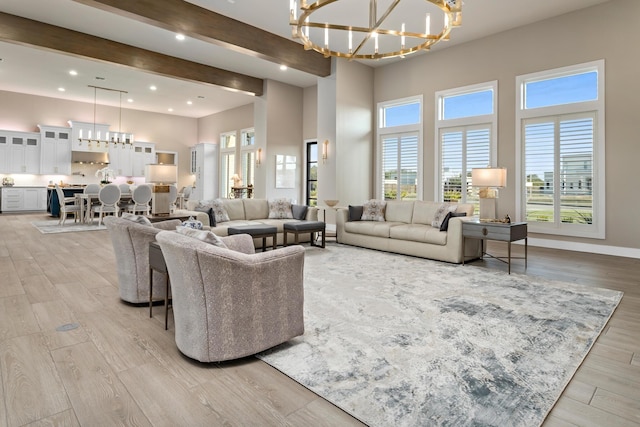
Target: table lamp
[488, 179]
[161, 176]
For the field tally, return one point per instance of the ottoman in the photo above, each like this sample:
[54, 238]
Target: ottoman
[311, 227]
[258, 230]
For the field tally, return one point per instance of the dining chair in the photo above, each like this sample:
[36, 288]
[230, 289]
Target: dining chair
[173, 196]
[108, 196]
[124, 189]
[67, 205]
[90, 190]
[141, 197]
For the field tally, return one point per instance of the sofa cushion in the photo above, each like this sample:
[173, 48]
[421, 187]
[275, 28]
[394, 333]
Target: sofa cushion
[202, 235]
[219, 211]
[445, 222]
[299, 211]
[423, 212]
[418, 233]
[373, 210]
[255, 209]
[399, 211]
[235, 209]
[280, 209]
[355, 213]
[442, 212]
[370, 228]
[209, 211]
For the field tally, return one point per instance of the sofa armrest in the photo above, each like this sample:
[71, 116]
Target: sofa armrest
[312, 213]
[240, 243]
[170, 224]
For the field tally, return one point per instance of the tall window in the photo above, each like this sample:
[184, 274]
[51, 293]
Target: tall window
[465, 131]
[400, 149]
[248, 156]
[561, 146]
[227, 162]
[312, 173]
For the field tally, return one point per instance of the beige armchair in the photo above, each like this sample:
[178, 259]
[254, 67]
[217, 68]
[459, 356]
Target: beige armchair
[131, 247]
[228, 303]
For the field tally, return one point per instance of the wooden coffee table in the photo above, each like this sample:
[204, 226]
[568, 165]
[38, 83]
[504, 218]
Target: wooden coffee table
[159, 218]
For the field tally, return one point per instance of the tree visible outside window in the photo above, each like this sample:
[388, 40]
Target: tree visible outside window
[312, 174]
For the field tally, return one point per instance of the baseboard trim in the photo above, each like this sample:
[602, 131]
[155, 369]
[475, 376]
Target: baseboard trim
[584, 247]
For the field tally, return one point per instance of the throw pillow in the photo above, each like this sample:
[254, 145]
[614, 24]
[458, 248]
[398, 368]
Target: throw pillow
[219, 212]
[355, 213]
[280, 209]
[192, 223]
[442, 212]
[140, 219]
[373, 210]
[445, 222]
[209, 211]
[202, 235]
[299, 211]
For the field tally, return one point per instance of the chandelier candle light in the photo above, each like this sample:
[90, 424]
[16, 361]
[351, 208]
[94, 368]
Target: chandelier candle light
[399, 30]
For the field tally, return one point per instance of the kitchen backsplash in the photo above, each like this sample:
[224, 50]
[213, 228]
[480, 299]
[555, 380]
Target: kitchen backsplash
[80, 174]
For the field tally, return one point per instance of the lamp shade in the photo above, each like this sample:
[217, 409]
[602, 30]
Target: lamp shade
[161, 174]
[489, 177]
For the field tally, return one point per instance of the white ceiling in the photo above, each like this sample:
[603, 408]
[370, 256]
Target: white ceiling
[37, 72]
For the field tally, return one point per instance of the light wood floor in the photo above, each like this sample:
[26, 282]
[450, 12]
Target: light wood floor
[119, 367]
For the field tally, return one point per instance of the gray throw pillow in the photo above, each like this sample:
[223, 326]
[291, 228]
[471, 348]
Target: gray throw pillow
[209, 211]
[139, 219]
[202, 235]
[299, 211]
[445, 222]
[355, 213]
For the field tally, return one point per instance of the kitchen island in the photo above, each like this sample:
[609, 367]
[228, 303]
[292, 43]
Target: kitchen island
[53, 203]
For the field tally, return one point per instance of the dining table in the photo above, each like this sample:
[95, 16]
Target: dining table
[86, 200]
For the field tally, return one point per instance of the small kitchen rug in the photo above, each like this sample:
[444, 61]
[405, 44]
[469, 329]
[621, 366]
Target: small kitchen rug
[52, 226]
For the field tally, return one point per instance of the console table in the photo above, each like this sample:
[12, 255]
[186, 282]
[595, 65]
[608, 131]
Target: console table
[505, 232]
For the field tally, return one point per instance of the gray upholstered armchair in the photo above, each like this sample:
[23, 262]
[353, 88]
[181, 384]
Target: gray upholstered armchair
[131, 247]
[229, 303]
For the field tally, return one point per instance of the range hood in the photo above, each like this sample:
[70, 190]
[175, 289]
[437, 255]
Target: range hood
[90, 157]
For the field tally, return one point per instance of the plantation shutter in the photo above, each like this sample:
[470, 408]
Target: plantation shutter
[400, 166]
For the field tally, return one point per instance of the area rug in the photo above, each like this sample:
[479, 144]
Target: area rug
[401, 341]
[52, 226]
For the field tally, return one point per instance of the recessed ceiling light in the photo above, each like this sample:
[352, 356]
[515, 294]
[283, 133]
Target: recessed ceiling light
[180, 36]
[283, 67]
[189, 102]
[73, 72]
[170, 110]
[130, 100]
[61, 89]
[152, 87]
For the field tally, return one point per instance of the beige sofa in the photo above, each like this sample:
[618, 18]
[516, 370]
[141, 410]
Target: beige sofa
[407, 230]
[247, 212]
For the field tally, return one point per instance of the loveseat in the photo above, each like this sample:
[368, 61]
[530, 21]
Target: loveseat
[248, 212]
[407, 227]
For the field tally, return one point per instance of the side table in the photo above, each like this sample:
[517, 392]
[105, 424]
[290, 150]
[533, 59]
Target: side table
[156, 262]
[505, 232]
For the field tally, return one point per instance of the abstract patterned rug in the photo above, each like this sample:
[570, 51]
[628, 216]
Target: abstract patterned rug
[401, 341]
[52, 226]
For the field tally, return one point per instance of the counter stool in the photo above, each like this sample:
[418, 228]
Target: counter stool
[311, 227]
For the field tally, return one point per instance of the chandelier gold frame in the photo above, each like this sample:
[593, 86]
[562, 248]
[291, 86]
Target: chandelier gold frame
[452, 10]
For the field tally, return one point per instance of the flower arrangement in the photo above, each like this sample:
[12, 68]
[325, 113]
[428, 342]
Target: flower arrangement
[106, 175]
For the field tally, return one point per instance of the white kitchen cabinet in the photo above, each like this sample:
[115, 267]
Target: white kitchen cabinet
[144, 153]
[55, 152]
[15, 199]
[85, 136]
[121, 159]
[4, 153]
[22, 152]
[203, 166]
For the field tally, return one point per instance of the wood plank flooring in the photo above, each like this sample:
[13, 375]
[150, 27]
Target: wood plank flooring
[120, 367]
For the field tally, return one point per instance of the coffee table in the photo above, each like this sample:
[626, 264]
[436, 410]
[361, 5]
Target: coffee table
[257, 231]
[159, 218]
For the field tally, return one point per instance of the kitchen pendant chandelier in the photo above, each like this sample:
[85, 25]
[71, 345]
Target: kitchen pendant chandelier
[335, 28]
[125, 139]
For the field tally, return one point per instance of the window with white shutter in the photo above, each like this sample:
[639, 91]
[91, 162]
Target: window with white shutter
[561, 147]
[465, 130]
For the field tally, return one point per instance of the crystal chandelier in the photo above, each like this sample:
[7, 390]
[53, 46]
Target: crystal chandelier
[332, 28]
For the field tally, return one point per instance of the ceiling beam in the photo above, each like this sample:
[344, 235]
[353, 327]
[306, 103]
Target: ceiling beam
[194, 21]
[15, 29]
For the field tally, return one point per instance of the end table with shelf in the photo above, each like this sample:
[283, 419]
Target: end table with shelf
[505, 232]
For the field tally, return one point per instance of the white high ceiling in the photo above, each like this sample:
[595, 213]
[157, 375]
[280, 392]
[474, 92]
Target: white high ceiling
[37, 72]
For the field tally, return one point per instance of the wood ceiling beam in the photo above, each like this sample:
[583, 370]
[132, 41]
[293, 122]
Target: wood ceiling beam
[15, 29]
[182, 17]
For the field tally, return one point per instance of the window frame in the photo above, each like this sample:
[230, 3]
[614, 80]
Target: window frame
[467, 123]
[382, 132]
[596, 229]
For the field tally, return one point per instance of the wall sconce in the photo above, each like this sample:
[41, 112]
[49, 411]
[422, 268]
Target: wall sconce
[259, 157]
[488, 179]
[325, 146]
